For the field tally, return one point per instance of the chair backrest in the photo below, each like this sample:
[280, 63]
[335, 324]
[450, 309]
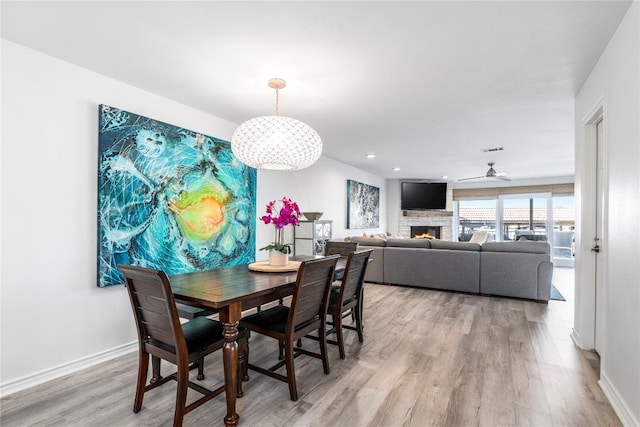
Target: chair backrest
[311, 293]
[353, 278]
[154, 307]
[340, 248]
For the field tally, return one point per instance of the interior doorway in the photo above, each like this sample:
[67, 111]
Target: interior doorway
[599, 233]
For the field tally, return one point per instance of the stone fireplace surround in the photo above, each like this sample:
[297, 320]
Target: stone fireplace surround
[442, 219]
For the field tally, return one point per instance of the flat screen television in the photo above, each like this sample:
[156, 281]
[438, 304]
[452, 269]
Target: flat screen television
[423, 195]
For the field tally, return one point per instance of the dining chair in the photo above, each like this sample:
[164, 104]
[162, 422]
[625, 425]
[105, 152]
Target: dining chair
[306, 313]
[347, 299]
[340, 248]
[344, 249]
[161, 335]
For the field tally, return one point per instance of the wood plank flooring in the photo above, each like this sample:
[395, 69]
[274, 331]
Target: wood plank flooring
[430, 358]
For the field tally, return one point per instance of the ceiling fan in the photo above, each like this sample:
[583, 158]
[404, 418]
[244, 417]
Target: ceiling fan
[491, 173]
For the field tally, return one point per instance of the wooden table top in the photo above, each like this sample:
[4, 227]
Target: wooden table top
[223, 286]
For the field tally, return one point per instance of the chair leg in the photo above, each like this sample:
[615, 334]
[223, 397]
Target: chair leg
[181, 394]
[245, 366]
[358, 315]
[291, 374]
[155, 366]
[201, 369]
[361, 307]
[143, 366]
[242, 352]
[337, 324]
[280, 350]
[322, 335]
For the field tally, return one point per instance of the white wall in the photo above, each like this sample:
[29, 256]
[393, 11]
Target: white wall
[53, 318]
[615, 84]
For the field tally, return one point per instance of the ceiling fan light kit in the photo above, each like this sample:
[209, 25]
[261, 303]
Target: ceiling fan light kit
[276, 142]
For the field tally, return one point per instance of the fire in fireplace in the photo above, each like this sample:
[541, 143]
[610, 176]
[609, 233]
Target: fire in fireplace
[425, 232]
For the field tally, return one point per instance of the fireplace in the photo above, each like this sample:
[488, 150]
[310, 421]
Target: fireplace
[425, 232]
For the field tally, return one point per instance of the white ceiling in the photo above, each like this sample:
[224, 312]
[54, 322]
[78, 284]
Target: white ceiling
[423, 85]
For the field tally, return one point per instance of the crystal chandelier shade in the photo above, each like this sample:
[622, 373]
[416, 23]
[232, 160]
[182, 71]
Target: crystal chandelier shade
[276, 142]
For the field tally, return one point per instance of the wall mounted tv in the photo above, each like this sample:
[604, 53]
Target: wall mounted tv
[423, 195]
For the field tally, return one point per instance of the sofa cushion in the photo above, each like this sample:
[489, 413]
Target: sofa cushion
[366, 241]
[409, 243]
[438, 269]
[460, 246]
[516, 274]
[528, 247]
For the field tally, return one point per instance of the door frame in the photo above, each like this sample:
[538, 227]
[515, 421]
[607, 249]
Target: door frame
[584, 329]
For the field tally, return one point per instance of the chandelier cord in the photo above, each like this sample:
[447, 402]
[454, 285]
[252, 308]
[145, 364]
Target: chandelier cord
[277, 101]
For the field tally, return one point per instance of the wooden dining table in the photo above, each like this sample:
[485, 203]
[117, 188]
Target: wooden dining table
[230, 290]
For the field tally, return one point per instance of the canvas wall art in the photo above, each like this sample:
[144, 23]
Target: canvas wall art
[169, 198]
[363, 205]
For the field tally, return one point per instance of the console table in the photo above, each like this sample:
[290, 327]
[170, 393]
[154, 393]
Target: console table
[309, 237]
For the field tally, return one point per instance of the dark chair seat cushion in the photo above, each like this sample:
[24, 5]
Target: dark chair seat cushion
[333, 297]
[198, 334]
[273, 319]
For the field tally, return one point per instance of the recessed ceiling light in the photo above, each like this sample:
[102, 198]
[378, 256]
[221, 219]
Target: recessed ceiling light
[396, 169]
[371, 156]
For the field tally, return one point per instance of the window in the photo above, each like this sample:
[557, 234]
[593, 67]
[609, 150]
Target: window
[527, 216]
[524, 217]
[476, 215]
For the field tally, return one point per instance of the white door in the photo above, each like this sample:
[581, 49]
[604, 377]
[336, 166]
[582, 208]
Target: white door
[598, 234]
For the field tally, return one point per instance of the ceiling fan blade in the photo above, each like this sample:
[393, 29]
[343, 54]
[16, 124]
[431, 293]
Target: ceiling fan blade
[475, 177]
[501, 177]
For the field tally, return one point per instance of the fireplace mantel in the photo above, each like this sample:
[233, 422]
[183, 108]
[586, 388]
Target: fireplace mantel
[429, 214]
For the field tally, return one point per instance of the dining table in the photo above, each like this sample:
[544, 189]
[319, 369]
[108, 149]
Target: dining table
[230, 290]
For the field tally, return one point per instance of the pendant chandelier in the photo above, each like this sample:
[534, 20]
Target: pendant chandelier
[276, 142]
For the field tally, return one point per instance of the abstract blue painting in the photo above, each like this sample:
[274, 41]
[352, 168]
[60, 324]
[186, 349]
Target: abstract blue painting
[363, 205]
[169, 199]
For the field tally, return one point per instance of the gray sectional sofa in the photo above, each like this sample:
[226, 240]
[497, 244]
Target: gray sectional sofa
[512, 269]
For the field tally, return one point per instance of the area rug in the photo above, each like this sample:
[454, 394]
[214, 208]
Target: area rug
[556, 295]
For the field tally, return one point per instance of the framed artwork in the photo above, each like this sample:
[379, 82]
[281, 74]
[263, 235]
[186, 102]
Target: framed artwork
[363, 205]
[169, 199]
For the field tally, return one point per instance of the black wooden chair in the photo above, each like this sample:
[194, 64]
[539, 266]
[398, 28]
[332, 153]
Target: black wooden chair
[347, 299]
[306, 313]
[161, 335]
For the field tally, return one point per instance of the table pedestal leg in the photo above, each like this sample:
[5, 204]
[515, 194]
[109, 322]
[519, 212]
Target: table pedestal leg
[229, 316]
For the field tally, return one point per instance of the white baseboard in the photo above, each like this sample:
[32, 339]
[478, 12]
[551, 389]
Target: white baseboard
[23, 383]
[626, 417]
[575, 336]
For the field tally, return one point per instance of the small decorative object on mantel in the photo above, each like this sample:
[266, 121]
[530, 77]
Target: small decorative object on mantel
[287, 215]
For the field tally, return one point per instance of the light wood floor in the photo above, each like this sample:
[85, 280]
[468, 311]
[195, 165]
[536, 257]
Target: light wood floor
[429, 358]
